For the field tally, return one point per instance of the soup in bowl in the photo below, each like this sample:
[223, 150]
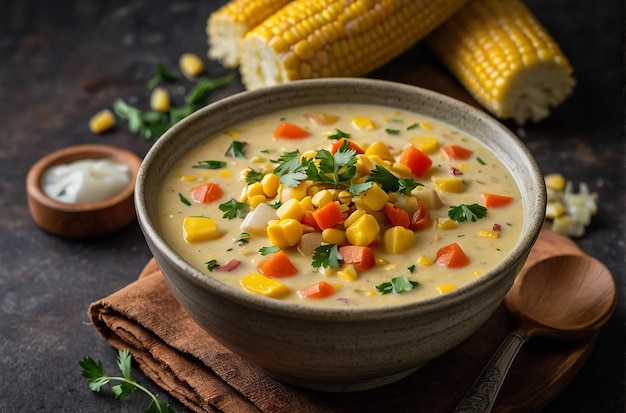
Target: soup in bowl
[339, 233]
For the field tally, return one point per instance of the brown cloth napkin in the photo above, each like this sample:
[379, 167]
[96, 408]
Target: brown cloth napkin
[184, 360]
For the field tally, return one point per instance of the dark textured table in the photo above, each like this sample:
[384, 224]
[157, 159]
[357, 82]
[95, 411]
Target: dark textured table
[60, 62]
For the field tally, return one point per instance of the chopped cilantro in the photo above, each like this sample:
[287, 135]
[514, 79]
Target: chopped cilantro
[397, 285]
[254, 176]
[210, 265]
[391, 183]
[209, 165]
[327, 255]
[338, 135]
[393, 131]
[411, 268]
[464, 212]
[268, 250]
[183, 199]
[413, 126]
[244, 238]
[161, 74]
[235, 150]
[233, 208]
[480, 161]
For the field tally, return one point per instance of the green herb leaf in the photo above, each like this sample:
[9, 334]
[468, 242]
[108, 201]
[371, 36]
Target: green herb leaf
[356, 189]
[464, 212]
[393, 131]
[338, 135]
[397, 285]
[411, 268]
[413, 126]
[268, 250]
[183, 199]
[209, 165]
[254, 176]
[211, 264]
[244, 238]
[480, 160]
[406, 185]
[161, 74]
[327, 255]
[236, 150]
[233, 208]
[200, 92]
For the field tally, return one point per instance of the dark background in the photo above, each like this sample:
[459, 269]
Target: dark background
[60, 62]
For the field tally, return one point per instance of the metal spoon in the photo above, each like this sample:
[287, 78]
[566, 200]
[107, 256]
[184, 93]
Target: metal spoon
[565, 297]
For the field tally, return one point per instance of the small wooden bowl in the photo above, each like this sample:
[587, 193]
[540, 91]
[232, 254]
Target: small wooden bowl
[82, 220]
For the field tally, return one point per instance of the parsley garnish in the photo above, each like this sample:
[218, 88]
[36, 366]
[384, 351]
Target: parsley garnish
[335, 169]
[464, 212]
[327, 255]
[244, 238]
[235, 150]
[94, 372]
[480, 160]
[356, 189]
[413, 126]
[393, 131]
[254, 176]
[233, 208]
[411, 268]
[209, 165]
[210, 265]
[290, 168]
[183, 199]
[391, 183]
[161, 74]
[397, 285]
[338, 135]
[268, 250]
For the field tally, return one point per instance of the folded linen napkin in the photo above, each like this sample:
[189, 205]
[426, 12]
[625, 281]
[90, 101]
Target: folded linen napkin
[184, 360]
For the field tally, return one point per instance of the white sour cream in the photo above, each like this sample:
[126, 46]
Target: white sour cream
[85, 181]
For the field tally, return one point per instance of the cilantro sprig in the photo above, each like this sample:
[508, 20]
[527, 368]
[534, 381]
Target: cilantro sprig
[93, 371]
[233, 208]
[464, 212]
[327, 255]
[397, 285]
[391, 183]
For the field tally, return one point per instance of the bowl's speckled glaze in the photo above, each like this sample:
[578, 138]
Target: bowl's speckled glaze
[337, 349]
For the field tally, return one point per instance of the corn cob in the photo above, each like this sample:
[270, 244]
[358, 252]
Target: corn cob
[505, 58]
[325, 38]
[229, 24]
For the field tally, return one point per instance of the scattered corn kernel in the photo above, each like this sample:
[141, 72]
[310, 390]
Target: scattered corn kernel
[554, 210]
[257, 159]
[255, 200]
[363, 123]
[102, 121]
[260, 284]
[334, 236]
[426, 144]
[424, 261]
[160, 100]
[187, 178]
[363, 231]
[445, 223]
[555, 182]
[488, 234]
[449, 184]
[446, 288]
[348, 273]
[381, 261]
[270, 183]
[321, 118]
[374, 199]
[255, 188]
[232, 133]
[198, 229]
[397, 239]
[284, 232]
[380, 149]
[225, 173]
[290, 210]
[322, 198]
[191, 65]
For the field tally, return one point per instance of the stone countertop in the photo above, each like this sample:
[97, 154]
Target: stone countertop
[59, 64]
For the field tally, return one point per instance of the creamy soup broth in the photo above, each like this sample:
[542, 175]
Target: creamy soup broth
[484, 241]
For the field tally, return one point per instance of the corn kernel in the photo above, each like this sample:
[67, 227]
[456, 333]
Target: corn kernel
[306, 204]
[363, 165]
[190, 65]
[371, 293]
[260, 284]
[225, 173]
[397, 239]
[290, 209]
[426, 144]
[102, 121]
[198, 229]
[488, 234]
[363, 123]
[374, 199]
[232, 133]
[255, 188]
[381, 261]
[257, 159]
[160, 100]
[322, 198]
[424, 261]
[445, 223]
[449, 184]
[353, 217]
[284, 232]
[363, 231]
[287, 192]
[380, 149]
[270, 183]
[348, 273]
[256, 200]
[555, 182]
[334, 236]
[554, 210]
[187, 178]
[446, 288]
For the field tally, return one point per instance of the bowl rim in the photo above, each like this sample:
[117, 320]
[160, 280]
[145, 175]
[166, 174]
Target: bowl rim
[530, 231]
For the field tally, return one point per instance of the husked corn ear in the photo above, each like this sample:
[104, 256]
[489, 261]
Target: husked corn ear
[325, 38]
[505, 58]
[229, 24]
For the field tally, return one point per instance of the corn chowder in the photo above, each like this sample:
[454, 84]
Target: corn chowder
[341, 205]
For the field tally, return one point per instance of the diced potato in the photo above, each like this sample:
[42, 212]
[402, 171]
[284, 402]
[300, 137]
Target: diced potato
[198, 229]
[397, 239]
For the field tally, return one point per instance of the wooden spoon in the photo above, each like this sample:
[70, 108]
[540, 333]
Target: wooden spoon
[564, 297]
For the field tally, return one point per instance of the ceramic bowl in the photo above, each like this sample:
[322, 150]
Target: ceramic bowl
[343, 349]
[82, 220]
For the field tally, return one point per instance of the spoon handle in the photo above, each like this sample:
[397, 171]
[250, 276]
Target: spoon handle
[483, 393]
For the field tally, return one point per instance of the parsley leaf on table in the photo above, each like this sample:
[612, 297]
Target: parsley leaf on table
[464, 212]
[93, 371]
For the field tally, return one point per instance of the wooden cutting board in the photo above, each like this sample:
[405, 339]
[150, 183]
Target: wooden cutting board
[541, 370]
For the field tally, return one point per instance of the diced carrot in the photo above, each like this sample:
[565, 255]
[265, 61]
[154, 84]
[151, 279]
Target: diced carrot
[452, 256]
[328, 215]
[456, 152]
[362, 257]
[417, 161]
[421, 217]
[318, 290]
[277, 265]
[206, 192]
[339, 142]
[286, 130]
[495, 200]
[308, 220]
[397, 216]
